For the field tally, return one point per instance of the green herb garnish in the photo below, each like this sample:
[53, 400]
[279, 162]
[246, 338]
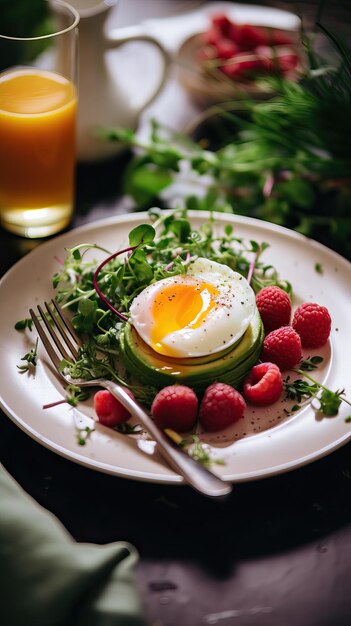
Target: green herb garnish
[83, 434]
[31, 359]
[129, 429]
[25, 323]
[311, 363]
[74, 395]
[194, 447]
[325, 401]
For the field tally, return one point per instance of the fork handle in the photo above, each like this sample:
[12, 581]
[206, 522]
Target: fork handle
[193, 473]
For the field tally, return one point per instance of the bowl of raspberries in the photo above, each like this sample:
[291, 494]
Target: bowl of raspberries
[232, 61]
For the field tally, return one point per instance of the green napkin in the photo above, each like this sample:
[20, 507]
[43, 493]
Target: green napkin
[47, 579]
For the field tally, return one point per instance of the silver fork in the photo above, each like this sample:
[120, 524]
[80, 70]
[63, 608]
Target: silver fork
[54, 329]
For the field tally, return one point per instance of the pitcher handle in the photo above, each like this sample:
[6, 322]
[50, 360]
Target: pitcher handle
[117, 37]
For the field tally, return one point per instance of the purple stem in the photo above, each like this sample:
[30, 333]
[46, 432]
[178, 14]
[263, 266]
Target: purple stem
[268, 186]
[252, 266]
[52, 404]
[168, 267]
[97, 288]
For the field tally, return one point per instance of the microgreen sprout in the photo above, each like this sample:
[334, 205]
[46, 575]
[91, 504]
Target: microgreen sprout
[194, 447]
[200, 452]
[129, 429]
[30, 359]
[311, 363]
[74, 395]
[83, 434]
[324, 400]
[25, 323]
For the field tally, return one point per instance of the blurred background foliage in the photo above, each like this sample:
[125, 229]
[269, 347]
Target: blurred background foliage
[22, 18]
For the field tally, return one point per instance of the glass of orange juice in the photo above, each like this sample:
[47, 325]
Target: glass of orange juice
[38, 105]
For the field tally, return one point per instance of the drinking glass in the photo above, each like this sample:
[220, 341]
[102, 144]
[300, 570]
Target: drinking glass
[38, 105]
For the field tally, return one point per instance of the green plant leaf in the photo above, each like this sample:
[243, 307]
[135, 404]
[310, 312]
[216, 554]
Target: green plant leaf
[144, 233]
[145, 182]
[181, 228]
[298, 192]
[141, 268]
[87, 307]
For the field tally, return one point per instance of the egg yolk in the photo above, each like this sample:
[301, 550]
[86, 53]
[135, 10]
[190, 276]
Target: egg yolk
[181, 306]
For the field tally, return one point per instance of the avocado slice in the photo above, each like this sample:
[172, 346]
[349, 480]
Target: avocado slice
[229, 366]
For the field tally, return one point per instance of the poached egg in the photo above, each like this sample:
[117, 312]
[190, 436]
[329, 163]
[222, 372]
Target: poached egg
[204, 311]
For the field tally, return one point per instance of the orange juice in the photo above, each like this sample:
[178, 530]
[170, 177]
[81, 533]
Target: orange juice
[37, 150]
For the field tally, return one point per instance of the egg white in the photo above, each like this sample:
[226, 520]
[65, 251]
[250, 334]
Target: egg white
[224, 324]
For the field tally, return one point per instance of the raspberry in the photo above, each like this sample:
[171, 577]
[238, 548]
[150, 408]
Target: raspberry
[313, 323]
[221, 406]
[225, 48]
[274, 306]
[175, 407]
[222, 22]
[282, 347]
[109, 410]
[263, 385]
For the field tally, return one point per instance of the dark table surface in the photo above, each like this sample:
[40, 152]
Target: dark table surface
[276, 553]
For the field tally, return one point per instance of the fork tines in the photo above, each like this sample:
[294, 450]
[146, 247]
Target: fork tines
[58, 328]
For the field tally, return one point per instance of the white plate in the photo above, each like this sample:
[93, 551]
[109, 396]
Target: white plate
[263, 444]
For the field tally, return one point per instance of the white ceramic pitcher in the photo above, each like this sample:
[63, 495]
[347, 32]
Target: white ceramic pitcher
[102, 100]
